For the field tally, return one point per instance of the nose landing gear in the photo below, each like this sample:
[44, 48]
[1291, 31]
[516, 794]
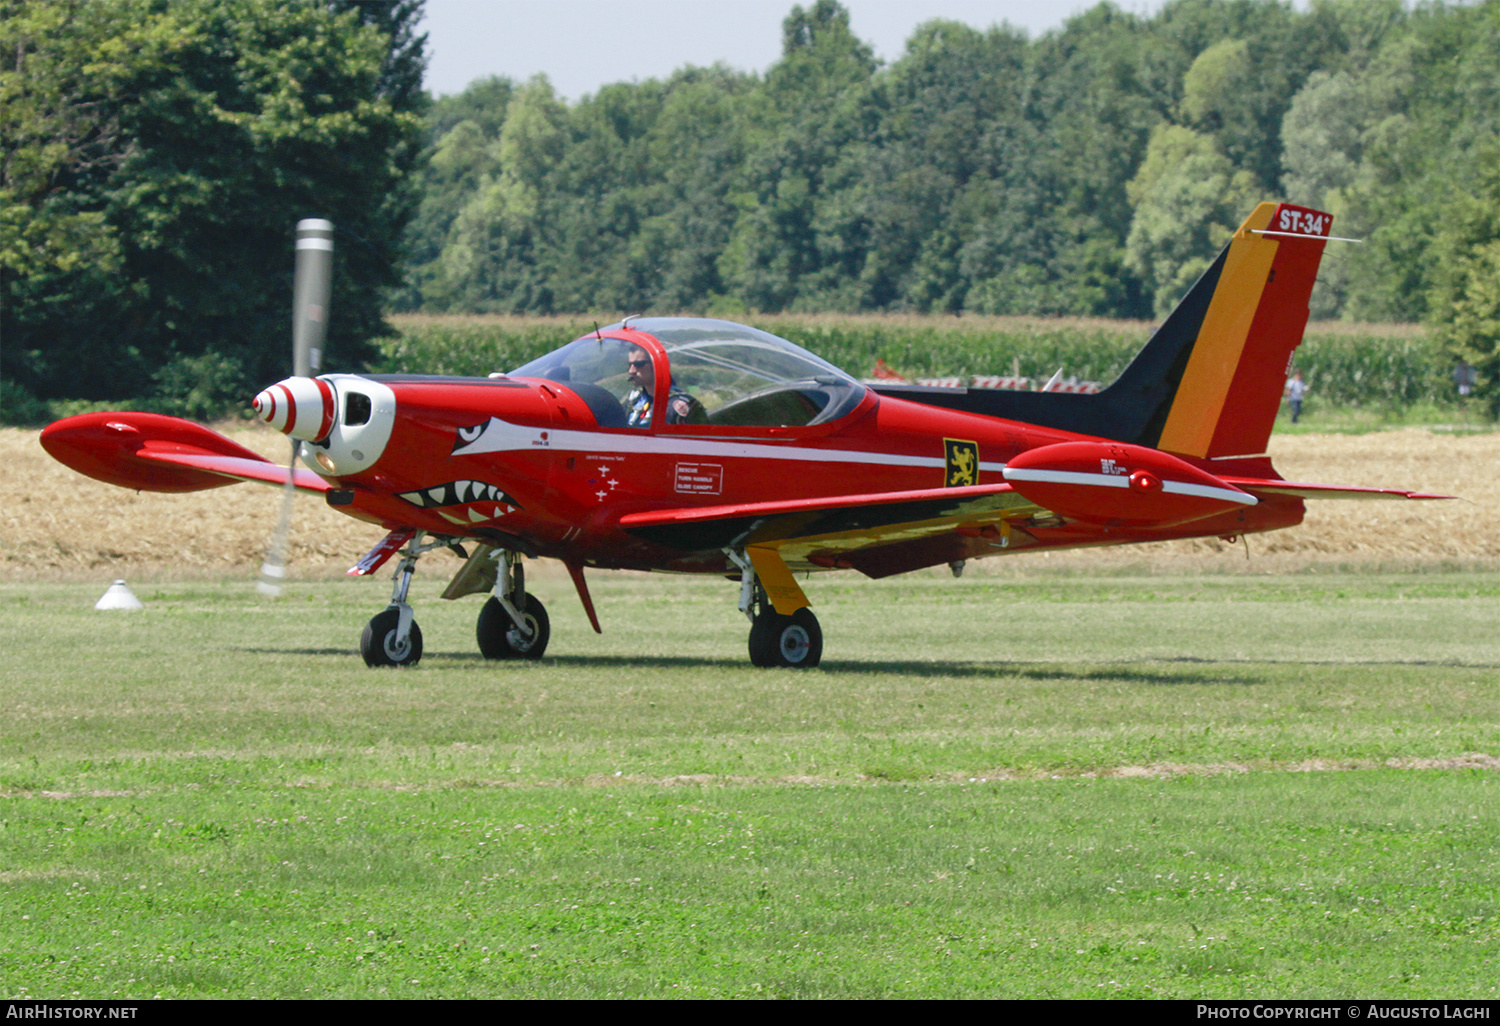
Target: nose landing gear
[512, 625]
[392, 637]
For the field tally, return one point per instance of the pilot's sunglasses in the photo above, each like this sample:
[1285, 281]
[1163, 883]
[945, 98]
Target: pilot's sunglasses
[639, 363]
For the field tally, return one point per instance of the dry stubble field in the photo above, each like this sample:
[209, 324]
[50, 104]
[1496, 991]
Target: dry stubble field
[57, 525]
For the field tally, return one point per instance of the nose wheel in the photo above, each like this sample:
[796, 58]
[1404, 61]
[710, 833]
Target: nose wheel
[392, 637]
[384, 644]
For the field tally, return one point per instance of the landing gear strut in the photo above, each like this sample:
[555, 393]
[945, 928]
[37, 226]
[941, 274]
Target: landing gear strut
[794, 641]
[513, 624]
[392, 637]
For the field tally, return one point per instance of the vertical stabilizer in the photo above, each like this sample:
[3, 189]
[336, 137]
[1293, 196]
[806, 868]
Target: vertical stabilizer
[1236, 369]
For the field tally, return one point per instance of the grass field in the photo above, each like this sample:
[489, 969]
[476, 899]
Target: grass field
[1039, 782]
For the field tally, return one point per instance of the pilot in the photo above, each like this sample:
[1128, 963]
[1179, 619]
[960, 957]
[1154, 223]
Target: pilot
[681, 407]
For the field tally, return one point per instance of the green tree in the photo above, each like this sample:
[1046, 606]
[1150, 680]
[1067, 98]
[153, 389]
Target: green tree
[1464, 309]
[489, 258]
[1434, 103]
[1051, 221]
[463, 135]
[69, 71]
[1323, 144]
[812, 109]
[1188, 199]
[237, 118]
[1095, 170]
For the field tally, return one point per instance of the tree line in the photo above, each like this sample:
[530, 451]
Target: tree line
[156, 155]
[1095, 170]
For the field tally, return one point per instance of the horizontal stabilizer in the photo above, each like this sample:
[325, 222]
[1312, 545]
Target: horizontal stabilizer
[1265, 486]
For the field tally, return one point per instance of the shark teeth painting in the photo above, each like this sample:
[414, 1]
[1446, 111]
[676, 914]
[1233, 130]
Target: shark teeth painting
[483, 501]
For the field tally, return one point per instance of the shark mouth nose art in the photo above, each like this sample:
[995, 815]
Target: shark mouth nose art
[481, 501]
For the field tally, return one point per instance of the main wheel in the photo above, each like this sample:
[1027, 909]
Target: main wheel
[500, 638]
[378, 643]
[794, 641]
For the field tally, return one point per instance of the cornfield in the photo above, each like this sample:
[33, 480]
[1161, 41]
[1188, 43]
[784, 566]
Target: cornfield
[1379, 366]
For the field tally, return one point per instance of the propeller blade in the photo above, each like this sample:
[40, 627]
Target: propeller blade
[273, 567]
[310, 294]
[311, 289]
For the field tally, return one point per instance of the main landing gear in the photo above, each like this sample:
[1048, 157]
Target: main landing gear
[794, 641]
[512, 624]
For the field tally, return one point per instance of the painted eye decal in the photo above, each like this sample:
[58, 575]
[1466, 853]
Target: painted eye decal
[469, 434]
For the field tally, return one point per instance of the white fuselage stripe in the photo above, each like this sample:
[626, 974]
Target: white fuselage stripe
[502, 436]
[1208, 492]
[1068, 477]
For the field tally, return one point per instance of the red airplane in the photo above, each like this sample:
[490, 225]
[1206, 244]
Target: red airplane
[701, 446]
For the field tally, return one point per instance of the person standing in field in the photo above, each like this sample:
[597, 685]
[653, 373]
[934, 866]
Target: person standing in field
[1464, 377]
[1296, 389]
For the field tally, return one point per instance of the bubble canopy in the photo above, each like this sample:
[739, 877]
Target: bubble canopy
[741, 376]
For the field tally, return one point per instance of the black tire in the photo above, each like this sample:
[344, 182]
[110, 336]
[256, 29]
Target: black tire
[378, 643]
[795, 641]
[500, 639]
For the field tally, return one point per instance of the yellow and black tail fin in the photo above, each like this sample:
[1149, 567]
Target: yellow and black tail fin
[1236, 367]
[1210, 380]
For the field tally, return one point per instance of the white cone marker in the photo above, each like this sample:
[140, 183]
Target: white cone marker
[118, 597]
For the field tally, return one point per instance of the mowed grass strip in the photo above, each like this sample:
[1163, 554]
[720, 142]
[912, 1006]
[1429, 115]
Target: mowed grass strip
[923, 678]
[1045, 785]
[1369, 883]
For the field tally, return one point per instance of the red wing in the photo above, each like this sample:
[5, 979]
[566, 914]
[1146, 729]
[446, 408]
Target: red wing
[150, 452]
[754, 510]
[878, 534]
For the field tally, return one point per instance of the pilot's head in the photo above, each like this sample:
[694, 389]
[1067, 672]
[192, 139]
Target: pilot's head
[641, 374]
